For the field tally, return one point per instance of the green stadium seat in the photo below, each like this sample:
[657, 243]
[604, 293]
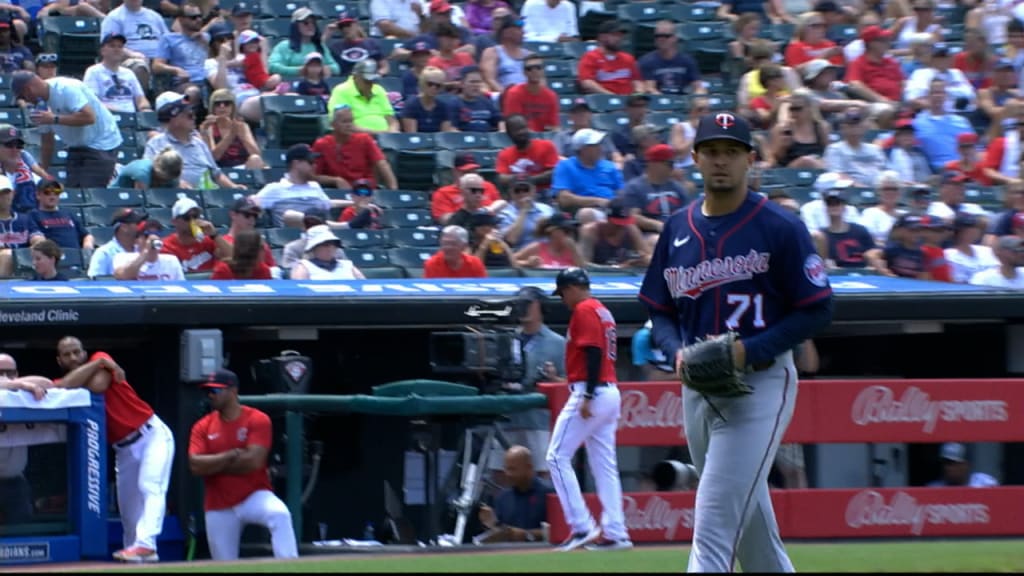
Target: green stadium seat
[278, 237]
[73, 198]
[414, 158]
[669, 103]
[14, 117]
[361, 238]
[125, 120]
[76, 39]
[114, 196]
[560, 68]
[273, 28]
[499, 140]
[610, 121]
[101, 234]
[692, 32]
[391, 84]
[126, 155]
[401, 199]
[695, 12]
[166, 197]
[576, 50]
[643, 12]
[161, 215]
[406, 218]
[602, 103]
[502, 272]
[146, 120]
[554, 50]
[402, 141]
[562, 86]
[222, 197]
[59, 157]
[383, 272]
[242, 176]
[290, 119]
[413, 237]
[333, 9]
[70, 263]
[409, 257]
[368, 258]
[278, 8]
[218, 216]
[275, 157]
[462, 140]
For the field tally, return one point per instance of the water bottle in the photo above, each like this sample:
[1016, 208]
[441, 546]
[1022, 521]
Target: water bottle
[368, 532]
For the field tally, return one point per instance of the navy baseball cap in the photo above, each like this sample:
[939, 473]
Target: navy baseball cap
[300, 152]
[571, 277]
[112, 37]
[241, 9]
[220, 379]
[908, 221]
[723, 126]
[964, 220]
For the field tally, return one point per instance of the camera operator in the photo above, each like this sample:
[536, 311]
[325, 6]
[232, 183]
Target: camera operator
[147, 263]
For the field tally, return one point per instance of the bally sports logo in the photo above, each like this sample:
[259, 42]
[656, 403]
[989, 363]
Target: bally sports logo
[869, 508]
[655, 514]
[637, 411]
[879, 405]
[692, 281]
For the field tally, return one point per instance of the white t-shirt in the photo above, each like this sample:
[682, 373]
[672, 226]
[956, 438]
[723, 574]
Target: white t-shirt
[994, 277]
[166, 267]
[541, 23]
[345, 270]
[398, 11]
[963, 266]
[142, 29]
[283, 195]
[942, 210]
[879, 222]
[117, 90]
[977, 480]
[815, 214]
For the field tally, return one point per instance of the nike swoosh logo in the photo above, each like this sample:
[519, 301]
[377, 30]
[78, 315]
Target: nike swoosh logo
[677, 242]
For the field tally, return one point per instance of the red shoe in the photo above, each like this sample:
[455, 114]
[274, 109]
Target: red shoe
[137, 555]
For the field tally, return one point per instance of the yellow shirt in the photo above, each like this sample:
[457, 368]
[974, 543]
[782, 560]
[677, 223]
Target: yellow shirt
[368, 114]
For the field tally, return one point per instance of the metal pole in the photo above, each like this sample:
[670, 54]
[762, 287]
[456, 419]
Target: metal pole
[293, 459]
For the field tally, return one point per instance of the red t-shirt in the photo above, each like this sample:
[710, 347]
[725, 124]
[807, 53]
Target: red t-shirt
[452, 67]
[977, 173]
[126, 412]
[591, 324]
[798, 52]
[615, 73]
[436, 267]
[884, 77]
[194, 257]
[977, 72]
[540, 156]
[540, 108]
[268, 256]
[448, 199]
[221, 271]
[352, 160]
[935, 263]
[212, 435]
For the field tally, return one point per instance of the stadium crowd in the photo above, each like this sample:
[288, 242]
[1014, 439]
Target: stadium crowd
[400, 138]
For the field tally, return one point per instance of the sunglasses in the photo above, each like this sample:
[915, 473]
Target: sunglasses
[795, 108]
[476, 190]
[533, 67]
[214, 391]
[50, 192]
[193, 16]
[9, 372]
[433, 84]
[189, 217]
[48, 58]
[521, 190]
[18, 145]
[219, 103]
[663, 35]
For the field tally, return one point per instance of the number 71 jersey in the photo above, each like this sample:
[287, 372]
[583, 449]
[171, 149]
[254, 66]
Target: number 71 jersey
[742, 272]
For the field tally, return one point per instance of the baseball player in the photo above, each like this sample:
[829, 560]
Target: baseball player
[590, 417]
[735, 264]
[143, 447]
[228, 448]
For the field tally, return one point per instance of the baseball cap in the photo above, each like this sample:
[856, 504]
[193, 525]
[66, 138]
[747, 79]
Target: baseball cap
[872, 33]
[220, 379]
[921, 191]
[466, 162]
[116, 36]
[363, 187]
[129, 216]
[967, 139]
[618, 212]
[722, 126]
[242, 9]
[301, 14]
[47, 183]
[510, 21]
[440, 7]
[908, 221]
[313, 56]
[482, 217]
[246, 205]
[183, 206]
[933, 222]
[611, 27]
[19, 80]
[851, 116]
[522, 181]
[954, 176]
[220, 30]
[10, 133]
[964, 220]
[660, 153]
[570, 277]
[905, 124]
[531, 294]
[940, 49]
[417, 47]
[953, 451]
[344, 16]
[587, 137]
[1017, 221]
[580, 104]
[815, 67]
[559, 220]
[300, 152]
[246, 36]
[170, 104]
[313, 216]
[148, 226]
[320, 234]
[367, 70]
[827, 180]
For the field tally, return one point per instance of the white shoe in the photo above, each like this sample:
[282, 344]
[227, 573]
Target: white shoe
[580, 539]
[609, 545]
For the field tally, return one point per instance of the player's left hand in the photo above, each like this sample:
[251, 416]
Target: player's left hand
[585, 409]
[739, 354]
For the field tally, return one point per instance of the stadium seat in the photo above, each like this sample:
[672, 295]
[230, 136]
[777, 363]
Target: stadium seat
[7, 99]
[76, 39]
[391, 84]
[406, 218]
[643, 12]
[401, 199]
[666, 119]
[562, 86]
[59, 157]
[414, 158]
[382, 272]
[722, 102]
[402, 141]
[842, 34]
[499, 140]
[269, 175]
[273, 28]
[575, 50]
[278, 8]
[126, 155]
[14, 117]
[114, 197]
[410, 258]
[553, 50]
[610, 121]
[221, 197]
[560, 68]
[161, 215]
[368, 258]
[275, 157]
[332, 9]
[101, 234]
[692, 32]
[602, 103]
[694, 12]
[70, 263]
[503, 273]
[302, 115]
[278, 237]
[166, 197]
[462, 140]
[147, 120]
[414, 237]
[242, 176]
[125, 120]
[539, 272]
[669, 103]
[360, 238]
[218, 216]
[73, 198]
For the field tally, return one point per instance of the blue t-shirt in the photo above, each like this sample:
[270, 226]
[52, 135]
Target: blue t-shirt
[602, 181]
[15, 232]
[672, 76]
[476, 115]
[308, 88]
[847, 249]
[140, 170]
[13, 60]
[427, 120]
[903, 261]
[525, 509]
[744, 6]
[181, 51]
[410, 85]
[24, 184]
[67, 96]
[60, 226]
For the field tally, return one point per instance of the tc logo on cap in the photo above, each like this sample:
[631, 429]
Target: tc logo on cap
[725, 120]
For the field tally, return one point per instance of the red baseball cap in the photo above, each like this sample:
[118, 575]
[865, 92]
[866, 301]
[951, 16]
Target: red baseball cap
[440, 6]
[660, 153]
[967, 139]
[220, 379]
[1018, 221]
[872, 33]
[466, 162]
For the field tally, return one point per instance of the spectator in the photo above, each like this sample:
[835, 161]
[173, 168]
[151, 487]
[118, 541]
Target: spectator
[902, 255]
[906, 156]
[474, 199]
[960, 96]
[991, 18]
[764, 109]
[968, 164]
[533, 99]
[1002, 158]
[396, 18]
[1009, 273]
[354, 46]
[966, 257]
[75, 114]
[956, 470]
[875, 76]
[444, 14]
[814, 213]
[655, 196]
[809, 42]
[313, 78]
[608, 69]
[297, 190]
[289, 55]
[228, 136]
[637, 106]
[518, 221]
[799, 138]
[161, 171]
[843, 244]
[975, 61]
[451, 260]
[581, 117]
[116, 87]
[556, 246]
[182, 55]
[851, 156]
[419, 54]
[242, 75]
[195, 242]
[920, 200]
[20, 168]
[951, 198]
[448, 200]
[484, 41]
[733, 9]
[682, 133]
[520, 509]
[879, 219]
[367, 100]
[666, 69]
[474, 110]
[241, 19]
[936, 235]
[16, 230]
[58, 225]
[820, 83]
[346, 155]
[45, 256]
[750, 86]
[922, 22]
[127, 224]
[855, 48]
[296, 249]
[527, 156]
[747, 32]
[427, 112]
[178, 120]
[246, 262]
[486, 243]
[919, 57]
[143, 28]
[448, 59]
[643, 137]
[363, 213]
[1000, 100]
[13, 55]
[243, 214]
[502, 64]
[616, 241]
[1003, 223]
[550, 21]
[587, 179]
[479, 14]
[148, 261]
[46, 65]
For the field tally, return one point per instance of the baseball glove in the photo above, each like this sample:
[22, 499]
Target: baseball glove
[709, 367]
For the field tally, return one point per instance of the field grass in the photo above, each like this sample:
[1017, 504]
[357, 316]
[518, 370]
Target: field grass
[931, 556]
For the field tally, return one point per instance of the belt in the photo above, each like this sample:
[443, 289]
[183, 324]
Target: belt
[584, 385]
[133, 437]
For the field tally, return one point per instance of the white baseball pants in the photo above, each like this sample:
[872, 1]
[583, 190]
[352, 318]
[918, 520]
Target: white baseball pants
[143, 470]
[262, 507]
[597, 433]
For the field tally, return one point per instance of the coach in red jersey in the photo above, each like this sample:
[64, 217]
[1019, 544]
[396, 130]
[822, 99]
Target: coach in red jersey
[143, 446]
[228, 447]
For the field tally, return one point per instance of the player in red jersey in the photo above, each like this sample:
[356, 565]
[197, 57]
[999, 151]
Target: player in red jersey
[228, 448]
[143, 446]
[590, 416]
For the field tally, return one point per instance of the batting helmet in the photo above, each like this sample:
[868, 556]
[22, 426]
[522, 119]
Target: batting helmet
[571, 277]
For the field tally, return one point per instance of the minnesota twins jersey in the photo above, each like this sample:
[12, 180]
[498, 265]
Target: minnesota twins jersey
[742, 272]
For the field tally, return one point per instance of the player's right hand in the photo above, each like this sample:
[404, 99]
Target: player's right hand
[679, 363]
